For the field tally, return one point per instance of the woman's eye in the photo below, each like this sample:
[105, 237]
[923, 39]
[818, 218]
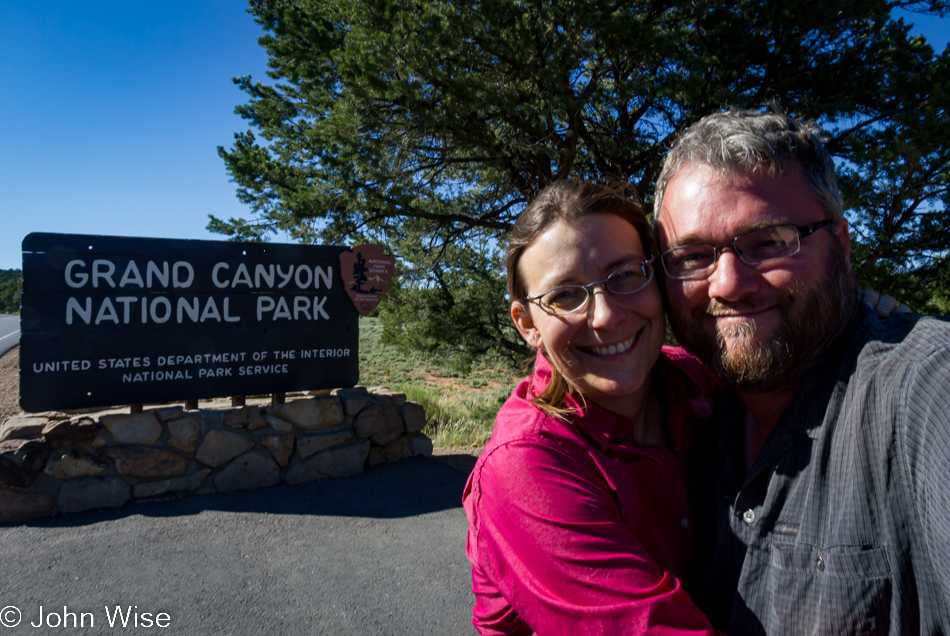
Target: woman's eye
[627, 280]
[565, 297]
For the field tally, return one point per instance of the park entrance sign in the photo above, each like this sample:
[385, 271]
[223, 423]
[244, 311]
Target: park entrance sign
[108, 321]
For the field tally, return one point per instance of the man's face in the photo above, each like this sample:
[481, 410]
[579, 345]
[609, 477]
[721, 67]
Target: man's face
[761, 327]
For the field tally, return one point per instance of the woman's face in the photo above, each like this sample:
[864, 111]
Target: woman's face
[608, 348]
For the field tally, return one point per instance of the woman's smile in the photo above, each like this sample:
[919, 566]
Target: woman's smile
[608, 346]
[613, 349]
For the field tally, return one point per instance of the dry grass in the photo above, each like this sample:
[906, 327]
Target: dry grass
[10, 383]
[460, 400]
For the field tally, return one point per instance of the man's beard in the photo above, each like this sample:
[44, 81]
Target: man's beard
[811, 319]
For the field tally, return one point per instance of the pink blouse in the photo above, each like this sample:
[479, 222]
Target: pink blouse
[573, 527]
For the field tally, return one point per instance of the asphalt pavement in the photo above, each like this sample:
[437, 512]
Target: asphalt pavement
[9, 332]
[381, 553]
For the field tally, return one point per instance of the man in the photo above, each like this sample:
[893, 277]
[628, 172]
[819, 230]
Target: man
[830, 510]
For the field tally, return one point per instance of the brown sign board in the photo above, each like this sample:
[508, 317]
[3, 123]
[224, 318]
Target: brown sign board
[366, 272]
[110, 321]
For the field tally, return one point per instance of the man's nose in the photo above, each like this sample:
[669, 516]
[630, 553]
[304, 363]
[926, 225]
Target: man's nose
[732, 279]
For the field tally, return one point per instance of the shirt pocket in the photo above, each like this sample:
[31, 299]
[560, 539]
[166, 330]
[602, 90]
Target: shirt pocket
[840, 590]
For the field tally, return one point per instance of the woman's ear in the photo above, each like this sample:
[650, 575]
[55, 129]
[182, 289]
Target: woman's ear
[521, 316]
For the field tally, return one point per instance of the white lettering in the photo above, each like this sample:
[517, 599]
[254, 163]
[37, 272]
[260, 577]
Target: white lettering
[286, 277]
[119, 615]
[263, 369]
[210, 311]
[282, 311]
[227, 315]
[107, 312]
[73, 306]
[301, 284]
[264, 304]
[61, 365]
[102, 269]
[78, 280]
[176, 277]
[266, 273]
[152, 272]
[220, 284]
[301, 305]
[242, 276]
[131, 276]
[326, 275]
[190, 309]
[153, 311]
[125, 301]
[318, 307]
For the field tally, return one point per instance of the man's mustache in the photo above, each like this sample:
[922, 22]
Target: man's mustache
[718, 309]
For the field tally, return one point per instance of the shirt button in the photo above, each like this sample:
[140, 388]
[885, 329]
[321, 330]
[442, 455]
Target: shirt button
[748, 516]
[820, 563]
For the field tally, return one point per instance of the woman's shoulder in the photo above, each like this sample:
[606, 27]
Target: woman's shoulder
[529, 452]
[520, 421]
[525, 434]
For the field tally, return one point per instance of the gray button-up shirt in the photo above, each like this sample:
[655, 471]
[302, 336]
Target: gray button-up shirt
[842, 523]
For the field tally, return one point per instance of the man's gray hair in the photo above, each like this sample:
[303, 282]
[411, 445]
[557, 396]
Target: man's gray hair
[751, 142]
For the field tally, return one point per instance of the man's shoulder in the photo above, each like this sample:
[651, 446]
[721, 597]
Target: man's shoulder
[903, 337]
[903, 361]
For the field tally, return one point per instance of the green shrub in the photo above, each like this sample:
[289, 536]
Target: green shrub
[11, 288]
[460, 393]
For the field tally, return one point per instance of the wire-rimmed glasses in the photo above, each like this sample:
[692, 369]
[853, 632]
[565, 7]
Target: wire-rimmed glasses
[698, 261]
[568, 299]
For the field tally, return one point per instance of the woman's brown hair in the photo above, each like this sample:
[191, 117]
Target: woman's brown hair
[568, 200]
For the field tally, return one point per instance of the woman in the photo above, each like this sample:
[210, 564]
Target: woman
[578, 515]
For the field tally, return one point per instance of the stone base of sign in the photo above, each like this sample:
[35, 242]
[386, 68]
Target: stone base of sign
[59, 463]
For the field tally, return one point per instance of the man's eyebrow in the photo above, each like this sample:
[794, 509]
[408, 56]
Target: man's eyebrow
[688, 239]
[694, 238]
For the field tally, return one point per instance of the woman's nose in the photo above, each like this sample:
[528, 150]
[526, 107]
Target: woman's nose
[605, 308]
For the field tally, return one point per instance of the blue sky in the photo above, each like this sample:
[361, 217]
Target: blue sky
[112, 112]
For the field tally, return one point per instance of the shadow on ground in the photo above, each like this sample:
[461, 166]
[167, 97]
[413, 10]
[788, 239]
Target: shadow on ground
[413, 486]
[375, 555]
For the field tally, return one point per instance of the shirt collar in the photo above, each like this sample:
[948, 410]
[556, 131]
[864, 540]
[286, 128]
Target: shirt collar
[680, 403]
[806, 412]
[594, 421]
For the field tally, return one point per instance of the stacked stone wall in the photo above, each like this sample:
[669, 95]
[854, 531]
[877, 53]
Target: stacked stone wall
[56, 463]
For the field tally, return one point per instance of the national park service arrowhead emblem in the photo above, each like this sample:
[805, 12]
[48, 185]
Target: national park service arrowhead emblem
[367, 273]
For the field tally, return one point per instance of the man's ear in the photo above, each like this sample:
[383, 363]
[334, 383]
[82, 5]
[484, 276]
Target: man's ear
[521, 316]
[841, 231]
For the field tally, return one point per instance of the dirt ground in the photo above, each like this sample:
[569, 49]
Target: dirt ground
[9, 383]
[461, 458]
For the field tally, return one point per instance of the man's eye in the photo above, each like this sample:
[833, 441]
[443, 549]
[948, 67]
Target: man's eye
[693, 258]
[764, 247]
[763, 244]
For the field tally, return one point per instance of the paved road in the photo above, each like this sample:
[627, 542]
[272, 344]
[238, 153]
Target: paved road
[382, 553]
[9, 332]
